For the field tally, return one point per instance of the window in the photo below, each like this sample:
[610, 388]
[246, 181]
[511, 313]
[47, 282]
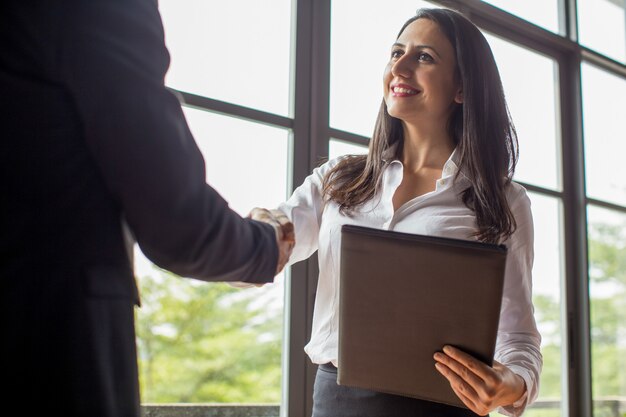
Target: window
[602, 26]
[606, 211]
[544, 13]
[196, 338]
[531, 96]
[548, 301]
[607, 286]
[273, 87]
[226, 50]
[210, 342]
[604, 135]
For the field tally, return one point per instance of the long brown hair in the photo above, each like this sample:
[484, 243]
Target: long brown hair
[481, 128]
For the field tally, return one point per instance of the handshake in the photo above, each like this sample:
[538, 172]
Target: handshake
[285, 234]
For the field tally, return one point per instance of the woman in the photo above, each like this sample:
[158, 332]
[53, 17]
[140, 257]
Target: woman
[440, 163]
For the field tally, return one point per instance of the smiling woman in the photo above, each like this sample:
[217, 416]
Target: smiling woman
[420, 83]
[440, 162]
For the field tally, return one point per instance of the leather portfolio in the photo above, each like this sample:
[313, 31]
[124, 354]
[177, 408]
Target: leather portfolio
[403, 297]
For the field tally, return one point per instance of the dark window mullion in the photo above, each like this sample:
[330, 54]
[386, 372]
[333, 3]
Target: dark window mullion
[230, 109]
[320, 86]
[312, 80]
[606, 205]
[349, 137]
[575, 226]
[605, 63]
[299, 304]
[541, 190]
[511, 27]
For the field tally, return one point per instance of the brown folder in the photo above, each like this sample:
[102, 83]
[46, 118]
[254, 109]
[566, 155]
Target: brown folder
[403, 297]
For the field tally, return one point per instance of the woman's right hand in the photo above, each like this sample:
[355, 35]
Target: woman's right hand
[285, 235]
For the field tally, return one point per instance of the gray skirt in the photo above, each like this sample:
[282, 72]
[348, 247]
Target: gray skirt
[333, 400]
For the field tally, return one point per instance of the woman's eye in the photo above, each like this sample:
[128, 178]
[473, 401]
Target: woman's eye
[423, 56]
[396, 53]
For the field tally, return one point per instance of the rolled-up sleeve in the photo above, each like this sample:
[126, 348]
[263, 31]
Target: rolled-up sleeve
[518, 342]
[304, 208]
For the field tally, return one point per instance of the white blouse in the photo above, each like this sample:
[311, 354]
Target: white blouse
[438, 213]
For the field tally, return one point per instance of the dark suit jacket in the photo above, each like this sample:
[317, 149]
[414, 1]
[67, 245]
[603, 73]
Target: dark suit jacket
[91, 140]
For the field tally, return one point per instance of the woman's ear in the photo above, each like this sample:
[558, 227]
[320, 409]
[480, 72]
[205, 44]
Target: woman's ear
[458, 98]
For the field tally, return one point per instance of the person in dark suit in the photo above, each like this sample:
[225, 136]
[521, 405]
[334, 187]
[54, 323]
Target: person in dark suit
[95, 155]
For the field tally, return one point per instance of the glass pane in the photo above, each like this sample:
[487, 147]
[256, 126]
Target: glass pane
[605, 147]
[531, 96]
[236, 51]
[361, 36]
[602, 26]
[544, 13]
[547, 278]
[210, 342]
[339, 147]
[607, 290]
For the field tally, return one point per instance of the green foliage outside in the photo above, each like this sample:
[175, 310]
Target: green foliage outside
[202, 342]
[207, 342]
[607, 268]
[607, 253]
[543, 413]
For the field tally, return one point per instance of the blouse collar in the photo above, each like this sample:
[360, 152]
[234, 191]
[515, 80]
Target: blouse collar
[450, 168]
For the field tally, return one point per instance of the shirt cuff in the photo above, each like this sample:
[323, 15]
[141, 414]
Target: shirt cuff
[518, 407]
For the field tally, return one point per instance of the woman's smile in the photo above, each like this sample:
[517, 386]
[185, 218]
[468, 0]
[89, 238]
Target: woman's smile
[403, 90]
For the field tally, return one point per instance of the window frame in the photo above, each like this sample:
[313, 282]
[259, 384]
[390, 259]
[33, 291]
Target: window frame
[311, 133]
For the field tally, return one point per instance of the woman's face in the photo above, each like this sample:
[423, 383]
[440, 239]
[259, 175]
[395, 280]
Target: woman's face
[419, 81]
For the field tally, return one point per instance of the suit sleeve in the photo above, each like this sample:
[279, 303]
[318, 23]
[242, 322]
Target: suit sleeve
[113, 60]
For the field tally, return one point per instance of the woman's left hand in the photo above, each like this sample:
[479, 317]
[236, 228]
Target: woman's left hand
[481, 388]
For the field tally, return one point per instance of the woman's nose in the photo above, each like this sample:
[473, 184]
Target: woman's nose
[402, 67]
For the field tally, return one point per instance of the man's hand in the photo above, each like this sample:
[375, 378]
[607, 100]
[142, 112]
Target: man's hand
[481, 388]
[285, 235]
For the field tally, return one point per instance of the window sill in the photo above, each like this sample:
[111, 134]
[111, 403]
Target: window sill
[210, 410]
